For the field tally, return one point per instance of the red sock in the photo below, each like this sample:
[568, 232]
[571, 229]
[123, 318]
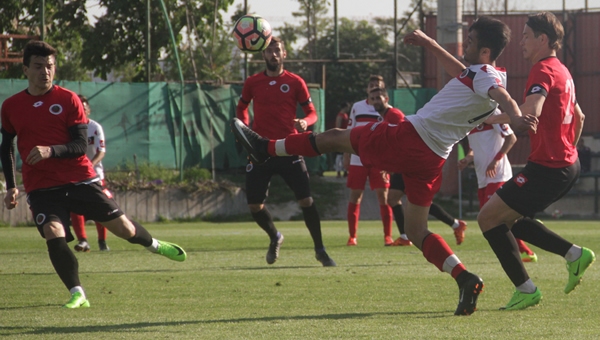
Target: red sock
[78, 223]
[437, 251]
[523, 248]
[101, 232]
[386, 217]
[299, 144]
[353, 214]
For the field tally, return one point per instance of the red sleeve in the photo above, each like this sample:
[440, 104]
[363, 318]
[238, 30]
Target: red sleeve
[241, 111]
[394, 116]
[77, 115]
[310, 114]
[6, 126]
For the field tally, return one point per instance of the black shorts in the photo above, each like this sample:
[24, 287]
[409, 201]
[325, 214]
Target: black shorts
[291, 168]
[89, 200]
[536, 187]
[397, 182]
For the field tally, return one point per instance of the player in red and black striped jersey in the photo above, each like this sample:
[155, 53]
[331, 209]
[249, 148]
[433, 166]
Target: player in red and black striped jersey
[275, 94]
[551, 170]
[51, 127]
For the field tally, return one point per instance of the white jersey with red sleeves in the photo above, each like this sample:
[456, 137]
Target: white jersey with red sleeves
[460, 106]
[95, 145]
[486, 140]
[361, 114]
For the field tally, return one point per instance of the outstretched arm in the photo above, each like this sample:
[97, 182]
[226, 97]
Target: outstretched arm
[451, 64]
[519, 122]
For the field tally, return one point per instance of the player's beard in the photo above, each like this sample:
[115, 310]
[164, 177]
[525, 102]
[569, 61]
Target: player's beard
[274, 65]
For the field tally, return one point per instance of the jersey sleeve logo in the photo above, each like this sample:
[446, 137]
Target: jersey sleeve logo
[285, 88]
[56, 109]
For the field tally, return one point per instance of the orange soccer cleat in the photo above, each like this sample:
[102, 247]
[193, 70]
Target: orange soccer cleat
[459, 232]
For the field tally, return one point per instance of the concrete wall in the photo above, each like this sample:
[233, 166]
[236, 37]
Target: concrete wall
[149, 206]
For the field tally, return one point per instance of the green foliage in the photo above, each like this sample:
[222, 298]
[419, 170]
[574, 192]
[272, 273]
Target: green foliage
[225, 290]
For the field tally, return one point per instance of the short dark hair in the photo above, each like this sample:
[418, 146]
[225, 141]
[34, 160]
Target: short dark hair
[380, 89]
[548, 24]
[491, 33]
[83, 99]
[275, 40]
[39, 48]
[375, 77]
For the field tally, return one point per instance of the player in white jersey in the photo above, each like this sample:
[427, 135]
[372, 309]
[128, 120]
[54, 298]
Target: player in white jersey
[95, 151]
[418, 146]
[361, 114]
[489, 146]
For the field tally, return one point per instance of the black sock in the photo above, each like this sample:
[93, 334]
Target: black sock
[142, 236]
[505, 247]
[441, 214]
[398, 211]
[265, 221]
[313, 223]
[534, 232]
[64, 262]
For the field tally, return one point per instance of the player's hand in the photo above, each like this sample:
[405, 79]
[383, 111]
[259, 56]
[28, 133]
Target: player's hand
[524, 123]
[10, 200]
[463, 163]
[38, 153]
[300, 124]
[490, 171]
[417, 38]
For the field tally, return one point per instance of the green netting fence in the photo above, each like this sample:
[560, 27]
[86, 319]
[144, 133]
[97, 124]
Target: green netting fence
[143, 119]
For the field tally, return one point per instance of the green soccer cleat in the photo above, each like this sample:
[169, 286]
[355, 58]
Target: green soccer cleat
[522, 300]
[578, 267]
[171, 250]
[529, 258]
[77, 301]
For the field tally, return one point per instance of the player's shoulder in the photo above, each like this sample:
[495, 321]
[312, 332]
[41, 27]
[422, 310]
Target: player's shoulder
[292, 76]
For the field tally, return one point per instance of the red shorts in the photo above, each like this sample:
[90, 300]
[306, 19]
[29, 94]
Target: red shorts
[357, 177]
[484, 194]
[398, 148]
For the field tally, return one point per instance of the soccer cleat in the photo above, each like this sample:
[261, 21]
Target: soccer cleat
[468, 294]
[322, 257]
[578, 267]
[255, 144]
[352, 241]
[273, 252]
[82, 246]
[388, 241]
[522, 300]
[528, 258]
[459, 232]
[171, 250]
[77, 301]
[400, 242]
[102, 245]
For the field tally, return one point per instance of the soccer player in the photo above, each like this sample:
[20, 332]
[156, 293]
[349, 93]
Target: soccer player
[95, 152]
[51, 129]
[418, 146]
[489, 145]
[341, 122]
[276, 93]
[550, 172]
[361, 114]
[397, 191]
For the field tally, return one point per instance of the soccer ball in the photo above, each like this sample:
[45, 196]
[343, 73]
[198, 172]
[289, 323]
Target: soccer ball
[252, 33]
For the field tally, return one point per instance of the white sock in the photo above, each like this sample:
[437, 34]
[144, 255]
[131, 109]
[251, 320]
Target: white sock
[455, 225]
[77, 289]
[154, 247]
[573, 254]
[404, 237]
[528, 287]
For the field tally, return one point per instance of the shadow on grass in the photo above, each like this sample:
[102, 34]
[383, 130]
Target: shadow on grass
[25, 330]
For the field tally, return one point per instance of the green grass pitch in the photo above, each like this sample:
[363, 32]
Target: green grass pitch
[225, 289]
